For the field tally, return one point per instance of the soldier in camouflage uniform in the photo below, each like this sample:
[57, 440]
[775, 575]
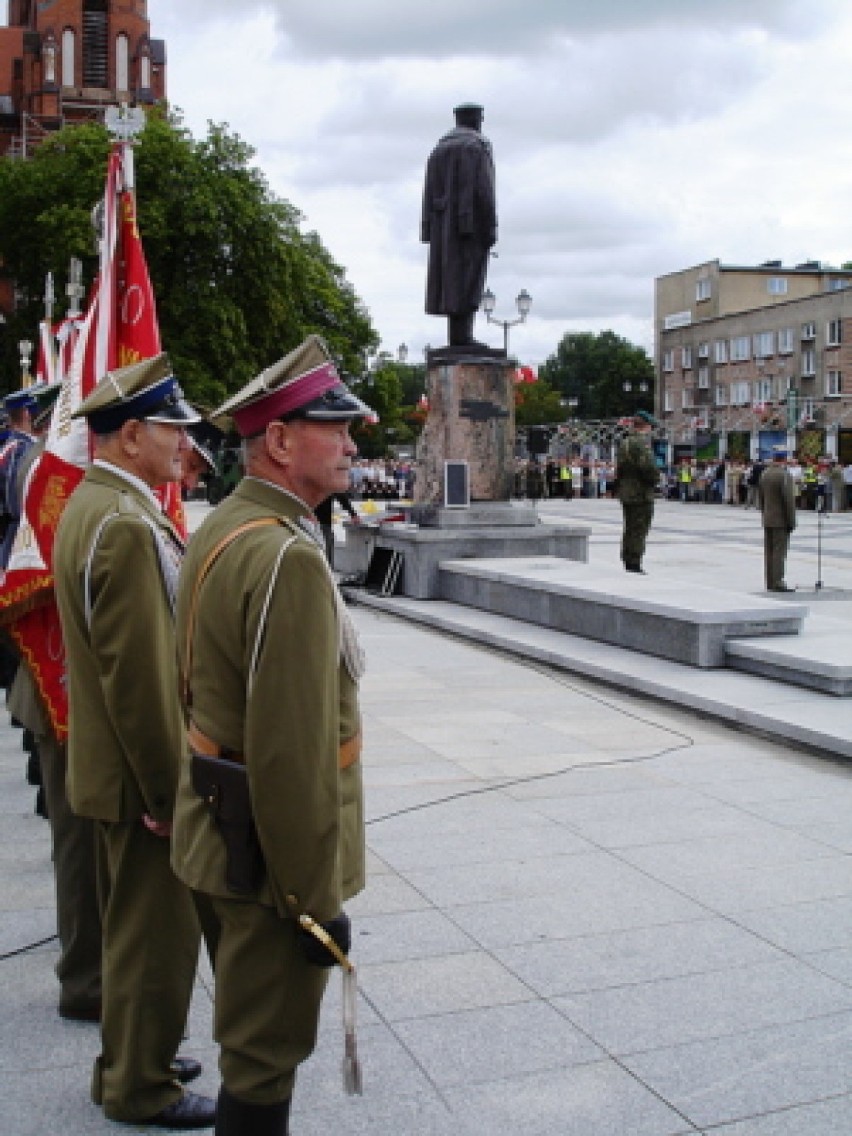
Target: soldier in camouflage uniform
[637, 478]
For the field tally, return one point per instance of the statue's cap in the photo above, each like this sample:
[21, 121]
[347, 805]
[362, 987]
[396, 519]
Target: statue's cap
[304, 384]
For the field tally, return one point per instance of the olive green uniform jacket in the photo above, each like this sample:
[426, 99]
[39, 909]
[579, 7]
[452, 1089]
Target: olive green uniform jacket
[287, 711]
[125, 727]
[637, 471]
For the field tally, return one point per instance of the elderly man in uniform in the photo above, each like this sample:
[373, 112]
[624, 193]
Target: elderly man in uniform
[777, 497]
[116, 562]
[637, 478]
[269, 821]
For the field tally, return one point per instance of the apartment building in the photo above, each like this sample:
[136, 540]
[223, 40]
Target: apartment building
[748, 358]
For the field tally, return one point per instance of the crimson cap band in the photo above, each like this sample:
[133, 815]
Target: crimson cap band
[286, 399]
[304, 384]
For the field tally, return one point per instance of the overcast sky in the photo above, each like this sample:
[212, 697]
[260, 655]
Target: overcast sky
[631, 138]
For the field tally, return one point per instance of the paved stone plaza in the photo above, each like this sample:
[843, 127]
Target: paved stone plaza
[588, 913]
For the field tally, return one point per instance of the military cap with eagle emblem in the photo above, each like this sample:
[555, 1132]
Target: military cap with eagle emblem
[146, 390]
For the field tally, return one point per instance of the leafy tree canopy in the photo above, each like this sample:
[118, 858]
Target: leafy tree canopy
[538, 404]
[593, 370]
[238, 282]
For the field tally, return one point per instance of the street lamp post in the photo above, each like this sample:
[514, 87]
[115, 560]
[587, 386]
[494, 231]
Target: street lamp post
[524, 303]
[25, 348]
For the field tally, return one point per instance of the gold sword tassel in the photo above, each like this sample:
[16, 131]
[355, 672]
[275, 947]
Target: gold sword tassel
[352, 1077]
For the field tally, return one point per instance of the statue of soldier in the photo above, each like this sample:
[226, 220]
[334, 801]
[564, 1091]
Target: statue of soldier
[459, 223]
[637, 475]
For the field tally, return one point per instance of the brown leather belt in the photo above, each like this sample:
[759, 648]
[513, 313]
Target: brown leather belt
[348, 754]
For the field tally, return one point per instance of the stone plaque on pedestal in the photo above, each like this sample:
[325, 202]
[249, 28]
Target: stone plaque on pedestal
[472, 419]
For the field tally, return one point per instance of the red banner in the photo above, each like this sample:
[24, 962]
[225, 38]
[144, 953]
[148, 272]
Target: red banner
[120, 327]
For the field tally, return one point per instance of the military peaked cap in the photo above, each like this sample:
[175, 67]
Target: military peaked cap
[147, 389]
[304, 384]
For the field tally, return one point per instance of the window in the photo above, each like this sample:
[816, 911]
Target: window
[721, 395]
[703, 290]
[702, 419]
[686, 358]
[667, 402]
[764, 344]
[145, 70]
[806, 409]
[740, 349]
[832, 333]
[703, 350]
[808, 331]
[763, 390]
[740, 394]
[786, 338]
[782, 385]
[720, 350]
[686, 400]
[122, 63]
[777, 285]
[833, 384]
[668, 360]
[704, 378]
[837, 284]
[68, 45]
[95, 43]
[808, 363]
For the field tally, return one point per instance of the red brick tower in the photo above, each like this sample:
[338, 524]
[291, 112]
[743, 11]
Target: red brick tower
[64, 61]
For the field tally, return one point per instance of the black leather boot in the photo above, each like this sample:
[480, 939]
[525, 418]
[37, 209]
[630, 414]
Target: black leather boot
[239, 1118]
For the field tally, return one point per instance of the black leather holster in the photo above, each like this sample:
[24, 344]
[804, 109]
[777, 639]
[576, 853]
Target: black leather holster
[223, 786]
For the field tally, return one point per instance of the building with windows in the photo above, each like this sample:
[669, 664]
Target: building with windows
[748, 358]
[64, 61]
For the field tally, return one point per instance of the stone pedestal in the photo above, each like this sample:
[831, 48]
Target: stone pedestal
[471, 418]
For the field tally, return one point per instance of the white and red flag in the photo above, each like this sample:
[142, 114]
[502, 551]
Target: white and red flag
[120, 327]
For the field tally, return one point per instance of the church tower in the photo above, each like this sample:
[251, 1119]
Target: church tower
[65, 61]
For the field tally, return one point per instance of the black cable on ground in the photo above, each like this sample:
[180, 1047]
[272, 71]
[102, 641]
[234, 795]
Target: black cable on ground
[28, 947]
[687, 742]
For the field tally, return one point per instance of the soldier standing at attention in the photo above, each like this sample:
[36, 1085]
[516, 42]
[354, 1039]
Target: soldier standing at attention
[777, 496]
[116, 561]
[637, 478]
[269, 820]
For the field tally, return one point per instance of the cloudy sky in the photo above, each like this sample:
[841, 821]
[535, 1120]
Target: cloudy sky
[631, 137]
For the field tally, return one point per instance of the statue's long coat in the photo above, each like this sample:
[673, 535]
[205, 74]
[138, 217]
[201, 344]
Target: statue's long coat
[459, 221]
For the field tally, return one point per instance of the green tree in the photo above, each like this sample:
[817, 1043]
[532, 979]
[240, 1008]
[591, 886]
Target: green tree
[537, 404]
[382, 390]
[593, 370]
[237, 280]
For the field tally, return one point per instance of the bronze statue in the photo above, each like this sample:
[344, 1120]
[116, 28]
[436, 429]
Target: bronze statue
[459, 223]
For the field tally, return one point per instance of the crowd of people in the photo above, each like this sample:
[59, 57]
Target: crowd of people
[723, 481]
[822, 481]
